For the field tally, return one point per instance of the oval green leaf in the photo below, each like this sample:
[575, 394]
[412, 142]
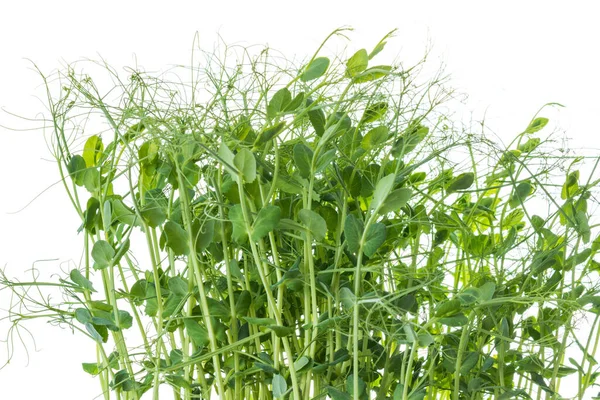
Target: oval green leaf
[315, 69]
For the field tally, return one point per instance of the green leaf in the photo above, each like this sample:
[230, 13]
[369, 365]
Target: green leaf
[382, 189]
[324, 160]
[279, 386]
[315, 69]
[396, 200]
[301, 363]
[242, 304]
[269, 133]
[448, 307]
[102, 253]
[178, 286]
[282, 331]
[91, 179]
[91, 368]
[154, 210]
[469, 362]
[246, 163]
[227, 158]
[267, 219]
[176, 238]
[178, 381]
[295, 103]
[260, 321]
[314, 222]
[353, 230]
[454, 320]
[372, 74]
[303, 156]
[236, 216]
[347, 298]
[350, 386]
[337, 395]
[97, 336]
[279, 102]
[317, 118]
[375, 137]
[461, 182]
[530, 145]
[520, 193]
[82, 315]
[486, 291]
[81, 280]
[357, 63]
[374, 238]
[374, 112]
[197, 332]
[76, 168]
[536, 125]
[92, 150]
[204, 232]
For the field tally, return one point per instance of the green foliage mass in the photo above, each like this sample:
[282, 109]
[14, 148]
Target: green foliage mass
[319, 230]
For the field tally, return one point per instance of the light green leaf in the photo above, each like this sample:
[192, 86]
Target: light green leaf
[303, 156]
[92, 150]
[267, 219]
[102, 253]
[178, 286]
[374, 112]
[91, 368]
[347, 298]
[353, 230]
[372, 74]
[314, 222]
[176, 238]
[375, 237]
[107, 215]
[324, 160]
[530, 145]
[486, 291]
[279, 386]
[357, 63]
[536, 125]
[260, 321]
[246, 163]
[76, 168]
[315, 69]
[448, 307]
[301, 363]
[375, 137]
[154, 210]
[382, 189]
[455, 320]
[396, 200]
[282, 331]
[337, 395]
[461, 182]
[236, 216]
[81, 280]
[227, 158]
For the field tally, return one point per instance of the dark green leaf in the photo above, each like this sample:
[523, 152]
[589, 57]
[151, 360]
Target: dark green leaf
[520, 193]
[314, 222]
[315, 69]
[260, 321]
[76, 168]
[278, 103]
[357, 63]
[324, 160]
[270, 133]
[353, 230]
[102, 253]
[337, 395]
[197, 332]
[454, 320]
[282, 331]
[374, 238]
[448, 307]
[303, 156]
[267, 219]
[461, 182]
[317, 118]
[469, 362]
[176, 238]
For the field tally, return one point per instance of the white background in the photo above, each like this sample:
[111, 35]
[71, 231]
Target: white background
[510, 57]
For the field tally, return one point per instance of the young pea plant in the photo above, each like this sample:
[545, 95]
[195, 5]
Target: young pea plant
[322, 231]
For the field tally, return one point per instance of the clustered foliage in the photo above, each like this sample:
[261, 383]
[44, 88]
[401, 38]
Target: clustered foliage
[278, 232]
